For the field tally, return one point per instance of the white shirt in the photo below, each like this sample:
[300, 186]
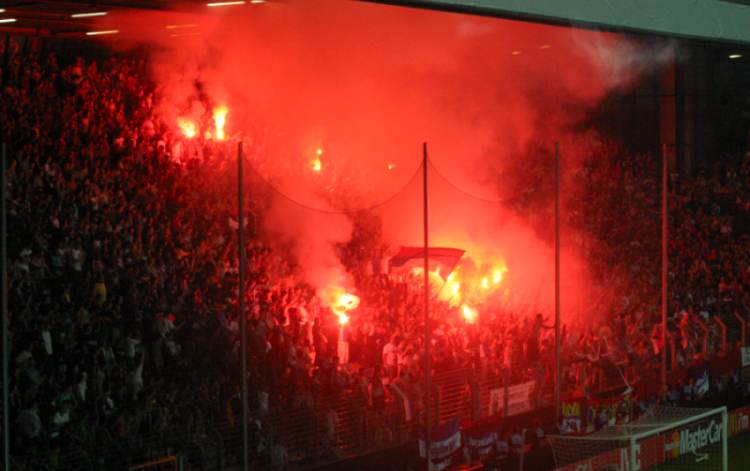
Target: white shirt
[130, 344]
[47, 342]
[136, 379]
[61, 418]
[77, 259]
[81, 390]
[164, 326]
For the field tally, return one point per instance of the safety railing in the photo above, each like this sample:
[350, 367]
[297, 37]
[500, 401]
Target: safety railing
[743, 327]
[704, 334]
[318, 430]
[723, 330]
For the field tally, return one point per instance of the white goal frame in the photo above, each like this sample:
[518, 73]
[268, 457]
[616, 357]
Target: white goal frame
[643, 428]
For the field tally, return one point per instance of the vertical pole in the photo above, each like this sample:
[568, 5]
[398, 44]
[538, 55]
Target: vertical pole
[558, 374]
[664, 253]
[427, 323]
[4, 243]
[243, 329]
[724, 439]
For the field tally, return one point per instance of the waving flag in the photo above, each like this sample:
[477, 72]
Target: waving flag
[407, 258]
[701, 382]
[446, 439]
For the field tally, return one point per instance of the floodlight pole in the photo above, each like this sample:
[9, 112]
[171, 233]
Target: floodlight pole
[241, 303]
[4, 243]
[427, 323]
[558, 375]
[664, 267]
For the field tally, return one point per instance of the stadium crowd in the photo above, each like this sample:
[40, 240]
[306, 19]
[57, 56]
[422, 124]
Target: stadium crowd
[123, 289]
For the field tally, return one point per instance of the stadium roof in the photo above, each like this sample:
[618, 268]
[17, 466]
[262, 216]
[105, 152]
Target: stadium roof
[718, 20]
[75, 17]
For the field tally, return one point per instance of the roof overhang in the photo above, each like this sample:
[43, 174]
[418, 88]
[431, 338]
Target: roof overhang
[715, 20]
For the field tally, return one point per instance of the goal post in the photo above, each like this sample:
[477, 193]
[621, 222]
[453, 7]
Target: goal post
[662, 439]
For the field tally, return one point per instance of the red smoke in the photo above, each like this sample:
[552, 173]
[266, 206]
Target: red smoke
[334, 99]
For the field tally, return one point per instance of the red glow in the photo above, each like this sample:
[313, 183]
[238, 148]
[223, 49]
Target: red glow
[480, 115]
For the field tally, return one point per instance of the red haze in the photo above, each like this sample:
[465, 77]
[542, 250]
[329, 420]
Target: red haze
[336, 98]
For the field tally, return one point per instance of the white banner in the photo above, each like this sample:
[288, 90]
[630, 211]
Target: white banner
[745, 356]
[519, 398]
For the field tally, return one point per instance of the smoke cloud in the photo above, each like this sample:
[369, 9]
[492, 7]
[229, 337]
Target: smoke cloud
[336, 99]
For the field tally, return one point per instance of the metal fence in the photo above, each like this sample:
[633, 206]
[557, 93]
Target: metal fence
[325, 429]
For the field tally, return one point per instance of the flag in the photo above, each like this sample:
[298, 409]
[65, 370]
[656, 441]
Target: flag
[398, 390]
[700, 377]
[407, 258]
[445, 439]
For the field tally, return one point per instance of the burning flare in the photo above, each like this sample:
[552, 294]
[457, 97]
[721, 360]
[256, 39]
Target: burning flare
[187, 127]
[345, 302]
[341, 303]
[220, 119]
[465, 284]
[316, 164]
[470, 314]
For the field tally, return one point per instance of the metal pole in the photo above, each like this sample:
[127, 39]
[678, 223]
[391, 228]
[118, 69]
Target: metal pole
[427, 324]
[243, 321]
[4, 243]
[664, 253]
[523, 449]
[724, 439]
[558, 374]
